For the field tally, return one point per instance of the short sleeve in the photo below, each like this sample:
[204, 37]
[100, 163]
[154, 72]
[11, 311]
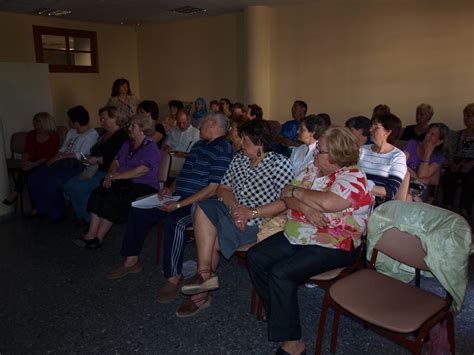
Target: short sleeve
[351, 185]
[283, 173]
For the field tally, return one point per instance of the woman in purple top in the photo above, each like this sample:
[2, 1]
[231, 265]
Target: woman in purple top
[424, 160]
[132, 174]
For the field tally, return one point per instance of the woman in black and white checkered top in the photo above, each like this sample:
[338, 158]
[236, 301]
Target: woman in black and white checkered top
[249, 192]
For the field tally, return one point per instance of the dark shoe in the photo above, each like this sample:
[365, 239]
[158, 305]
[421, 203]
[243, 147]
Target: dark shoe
[88, 243]
[188, 308]
[122, 270]
[198, 285]
[8, 202]
[169, 291]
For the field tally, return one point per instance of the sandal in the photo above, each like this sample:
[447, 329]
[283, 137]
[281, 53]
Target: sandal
[88, 243]
[197, 284]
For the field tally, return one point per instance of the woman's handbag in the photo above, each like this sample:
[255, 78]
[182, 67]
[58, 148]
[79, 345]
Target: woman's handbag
[272, 226]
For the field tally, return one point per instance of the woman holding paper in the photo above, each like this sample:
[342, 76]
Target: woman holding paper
[132, 174]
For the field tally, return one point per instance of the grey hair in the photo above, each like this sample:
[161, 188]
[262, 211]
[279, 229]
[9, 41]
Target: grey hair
[220, 119]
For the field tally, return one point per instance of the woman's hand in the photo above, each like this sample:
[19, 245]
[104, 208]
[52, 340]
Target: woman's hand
[108, 181]
[27, 165]
[240, 215]
[164, 192]
[314, 216]
[91, 160]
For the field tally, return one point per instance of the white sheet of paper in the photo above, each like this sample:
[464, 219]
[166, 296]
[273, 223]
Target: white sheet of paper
[153, 201]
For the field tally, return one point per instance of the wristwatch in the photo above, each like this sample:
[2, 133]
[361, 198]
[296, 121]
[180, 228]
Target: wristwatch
[254, 212]
[178, 205]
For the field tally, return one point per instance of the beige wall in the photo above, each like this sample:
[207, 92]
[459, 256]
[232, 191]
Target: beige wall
[117, 47]
[343, 57]
[188, 59]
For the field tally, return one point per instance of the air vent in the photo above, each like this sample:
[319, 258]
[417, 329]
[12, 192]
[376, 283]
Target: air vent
[187, 10]
[52, 12]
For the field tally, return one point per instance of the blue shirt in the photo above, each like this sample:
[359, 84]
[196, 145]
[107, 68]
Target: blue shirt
[206, 163]
[289, 130]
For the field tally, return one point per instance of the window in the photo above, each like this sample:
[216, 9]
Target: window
[66, 50]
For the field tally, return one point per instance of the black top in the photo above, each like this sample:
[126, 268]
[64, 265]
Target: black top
[108, 149]
[409, 134]
[160, 129]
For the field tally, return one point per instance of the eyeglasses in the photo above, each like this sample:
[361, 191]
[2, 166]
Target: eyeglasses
[319, 151]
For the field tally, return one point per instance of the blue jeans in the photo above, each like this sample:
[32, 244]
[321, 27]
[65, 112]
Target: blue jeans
[79, 192]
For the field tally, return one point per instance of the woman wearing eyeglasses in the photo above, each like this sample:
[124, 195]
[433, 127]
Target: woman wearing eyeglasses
[384, 164]
[328, 206]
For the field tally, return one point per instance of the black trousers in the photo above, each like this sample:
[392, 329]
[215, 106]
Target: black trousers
[277, 268]
[467, 188]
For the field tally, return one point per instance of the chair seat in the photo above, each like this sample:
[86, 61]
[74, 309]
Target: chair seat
[384, 301]
[328, 275]
[13, 164]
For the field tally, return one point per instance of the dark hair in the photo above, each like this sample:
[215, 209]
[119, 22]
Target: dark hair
[150, 107]
[359, 122]
[119, 82]
[176, 103]
[78, 114]
[214, 102]
[302, 104]
[315, 124]
[226, 100]
[389, 122]
[241, 106]
[325, 117]
[256, 111]
[443, 134]
[380, 109]
[259, 133]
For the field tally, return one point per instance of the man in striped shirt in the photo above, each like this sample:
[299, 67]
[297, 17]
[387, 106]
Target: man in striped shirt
[202, 172]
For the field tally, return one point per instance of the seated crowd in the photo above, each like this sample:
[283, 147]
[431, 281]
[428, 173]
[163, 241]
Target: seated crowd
[233, 173]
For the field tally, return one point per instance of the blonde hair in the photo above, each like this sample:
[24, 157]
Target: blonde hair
[144, 123]
[113, 112]
[342, 145]
[47, 121]
[425, 108]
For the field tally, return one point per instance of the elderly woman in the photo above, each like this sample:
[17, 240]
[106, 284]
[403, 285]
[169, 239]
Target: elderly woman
[41, 145]
[80, 187]
[45, 184]
[424, 112]
[132, 174]
[328, 211]
[308, 133]
[249, 192]
[123, 99]
[424, 160]
[461, 165]
[200, 111]
[384, 164]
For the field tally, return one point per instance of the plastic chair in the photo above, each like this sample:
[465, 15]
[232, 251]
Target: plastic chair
[393, 308]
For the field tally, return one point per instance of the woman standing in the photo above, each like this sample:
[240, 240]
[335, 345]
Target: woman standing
[41, 144]
[384, 164]
[132, 174]
[122, 98]
[461, 165]
[80, 187]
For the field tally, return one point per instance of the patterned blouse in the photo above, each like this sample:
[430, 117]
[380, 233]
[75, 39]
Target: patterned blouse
[345, 227]
[254, 187]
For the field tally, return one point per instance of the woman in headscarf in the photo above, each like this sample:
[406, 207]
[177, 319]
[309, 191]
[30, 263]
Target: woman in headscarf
[200, 110]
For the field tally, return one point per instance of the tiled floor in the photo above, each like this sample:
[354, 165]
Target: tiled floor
[54, 299]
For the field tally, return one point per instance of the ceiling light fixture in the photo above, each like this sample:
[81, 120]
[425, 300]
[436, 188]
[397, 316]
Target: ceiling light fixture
[187, 10]
[52, 12]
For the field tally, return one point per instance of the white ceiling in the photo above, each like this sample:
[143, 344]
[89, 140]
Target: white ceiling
[132, 12]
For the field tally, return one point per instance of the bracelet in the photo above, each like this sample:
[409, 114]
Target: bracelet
[254, 212]
[292, 192]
